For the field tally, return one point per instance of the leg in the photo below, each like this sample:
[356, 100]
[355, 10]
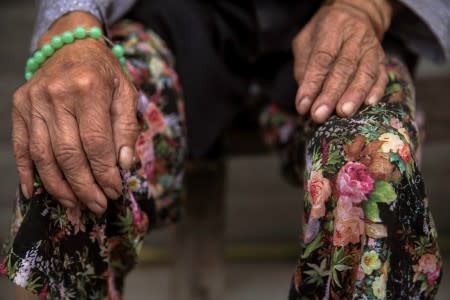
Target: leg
[72, 254]
[368, 229]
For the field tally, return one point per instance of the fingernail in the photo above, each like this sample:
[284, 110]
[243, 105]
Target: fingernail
[322, 112]
[67, 203]
[304, 104]
[126, 157]
[25, 192]
[348, 108]
[372, 99]
[111, 193]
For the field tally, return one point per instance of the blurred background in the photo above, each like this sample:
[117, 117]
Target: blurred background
[262, 230]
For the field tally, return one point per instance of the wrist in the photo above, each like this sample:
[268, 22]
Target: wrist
[379, 12]
[67, 23]
[56, 42]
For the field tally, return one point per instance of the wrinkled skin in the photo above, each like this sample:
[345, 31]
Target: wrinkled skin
[338, 63]
[73, 120]
[76, 118]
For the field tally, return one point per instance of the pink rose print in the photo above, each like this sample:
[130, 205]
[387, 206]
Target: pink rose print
[428, 265]
[349, 225]
[432, 277]
[353, 181]
[319, 189]
[144, 144]
[154, 119]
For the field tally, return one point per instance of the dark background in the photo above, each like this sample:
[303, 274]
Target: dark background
[260, 257]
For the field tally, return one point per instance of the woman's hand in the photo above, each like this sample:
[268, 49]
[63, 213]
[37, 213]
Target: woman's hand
[339, 59]
[74, 120]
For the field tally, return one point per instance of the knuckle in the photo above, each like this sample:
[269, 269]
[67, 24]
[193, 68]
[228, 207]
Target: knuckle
[57, 88]
[101, 171]
[323, 58]
[105, 175]
[347, 61]
[345, 67]
[38, 152]
[331, 94]
[18, 97]
[66, 155]
[312, 84]
[370, 73]
[87, 81]
[360, 92]
[35, 92]
[94, 142]
[129, 127]
[19, 148]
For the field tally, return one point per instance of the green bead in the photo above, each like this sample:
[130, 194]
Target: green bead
[118, 51]
[39, 57]
[95, 32]
[32, 65]
[28, 75]
[48, 50]
[67, 37]
[79, 32]
[57, 42]
[122, 60]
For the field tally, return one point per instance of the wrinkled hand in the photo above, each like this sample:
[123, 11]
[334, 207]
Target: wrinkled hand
[338, 63]
[73, 120]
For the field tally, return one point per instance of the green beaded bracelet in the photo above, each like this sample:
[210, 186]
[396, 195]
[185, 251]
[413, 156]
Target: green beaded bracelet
[40, 56]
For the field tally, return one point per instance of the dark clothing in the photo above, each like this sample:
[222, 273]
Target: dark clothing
[368, 232]
[223, 49]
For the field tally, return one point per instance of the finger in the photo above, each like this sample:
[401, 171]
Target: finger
[301, 55]
[96, 136]
[124, 122]
[69, 154]
[377, 92]
[319, 65]
[337, 82]
[44, 160]
[359, 88]
[24, 165]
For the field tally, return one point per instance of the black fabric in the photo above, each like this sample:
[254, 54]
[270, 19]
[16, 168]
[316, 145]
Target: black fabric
[222, 48]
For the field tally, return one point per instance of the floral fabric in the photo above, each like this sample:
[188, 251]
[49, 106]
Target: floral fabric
[368, 232]
[61, 253]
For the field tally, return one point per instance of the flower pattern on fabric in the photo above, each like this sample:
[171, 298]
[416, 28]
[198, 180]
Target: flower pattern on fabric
[60, 253]
[375, 237]
[319, 189]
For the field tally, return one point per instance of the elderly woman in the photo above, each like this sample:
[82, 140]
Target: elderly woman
[94, 178]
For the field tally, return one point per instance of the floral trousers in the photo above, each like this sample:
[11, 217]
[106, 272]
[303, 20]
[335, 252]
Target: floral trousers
[367, 230]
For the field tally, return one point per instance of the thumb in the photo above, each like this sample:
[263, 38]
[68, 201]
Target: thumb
[124, 122]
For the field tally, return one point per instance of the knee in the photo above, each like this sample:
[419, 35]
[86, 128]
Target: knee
[380, 137]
